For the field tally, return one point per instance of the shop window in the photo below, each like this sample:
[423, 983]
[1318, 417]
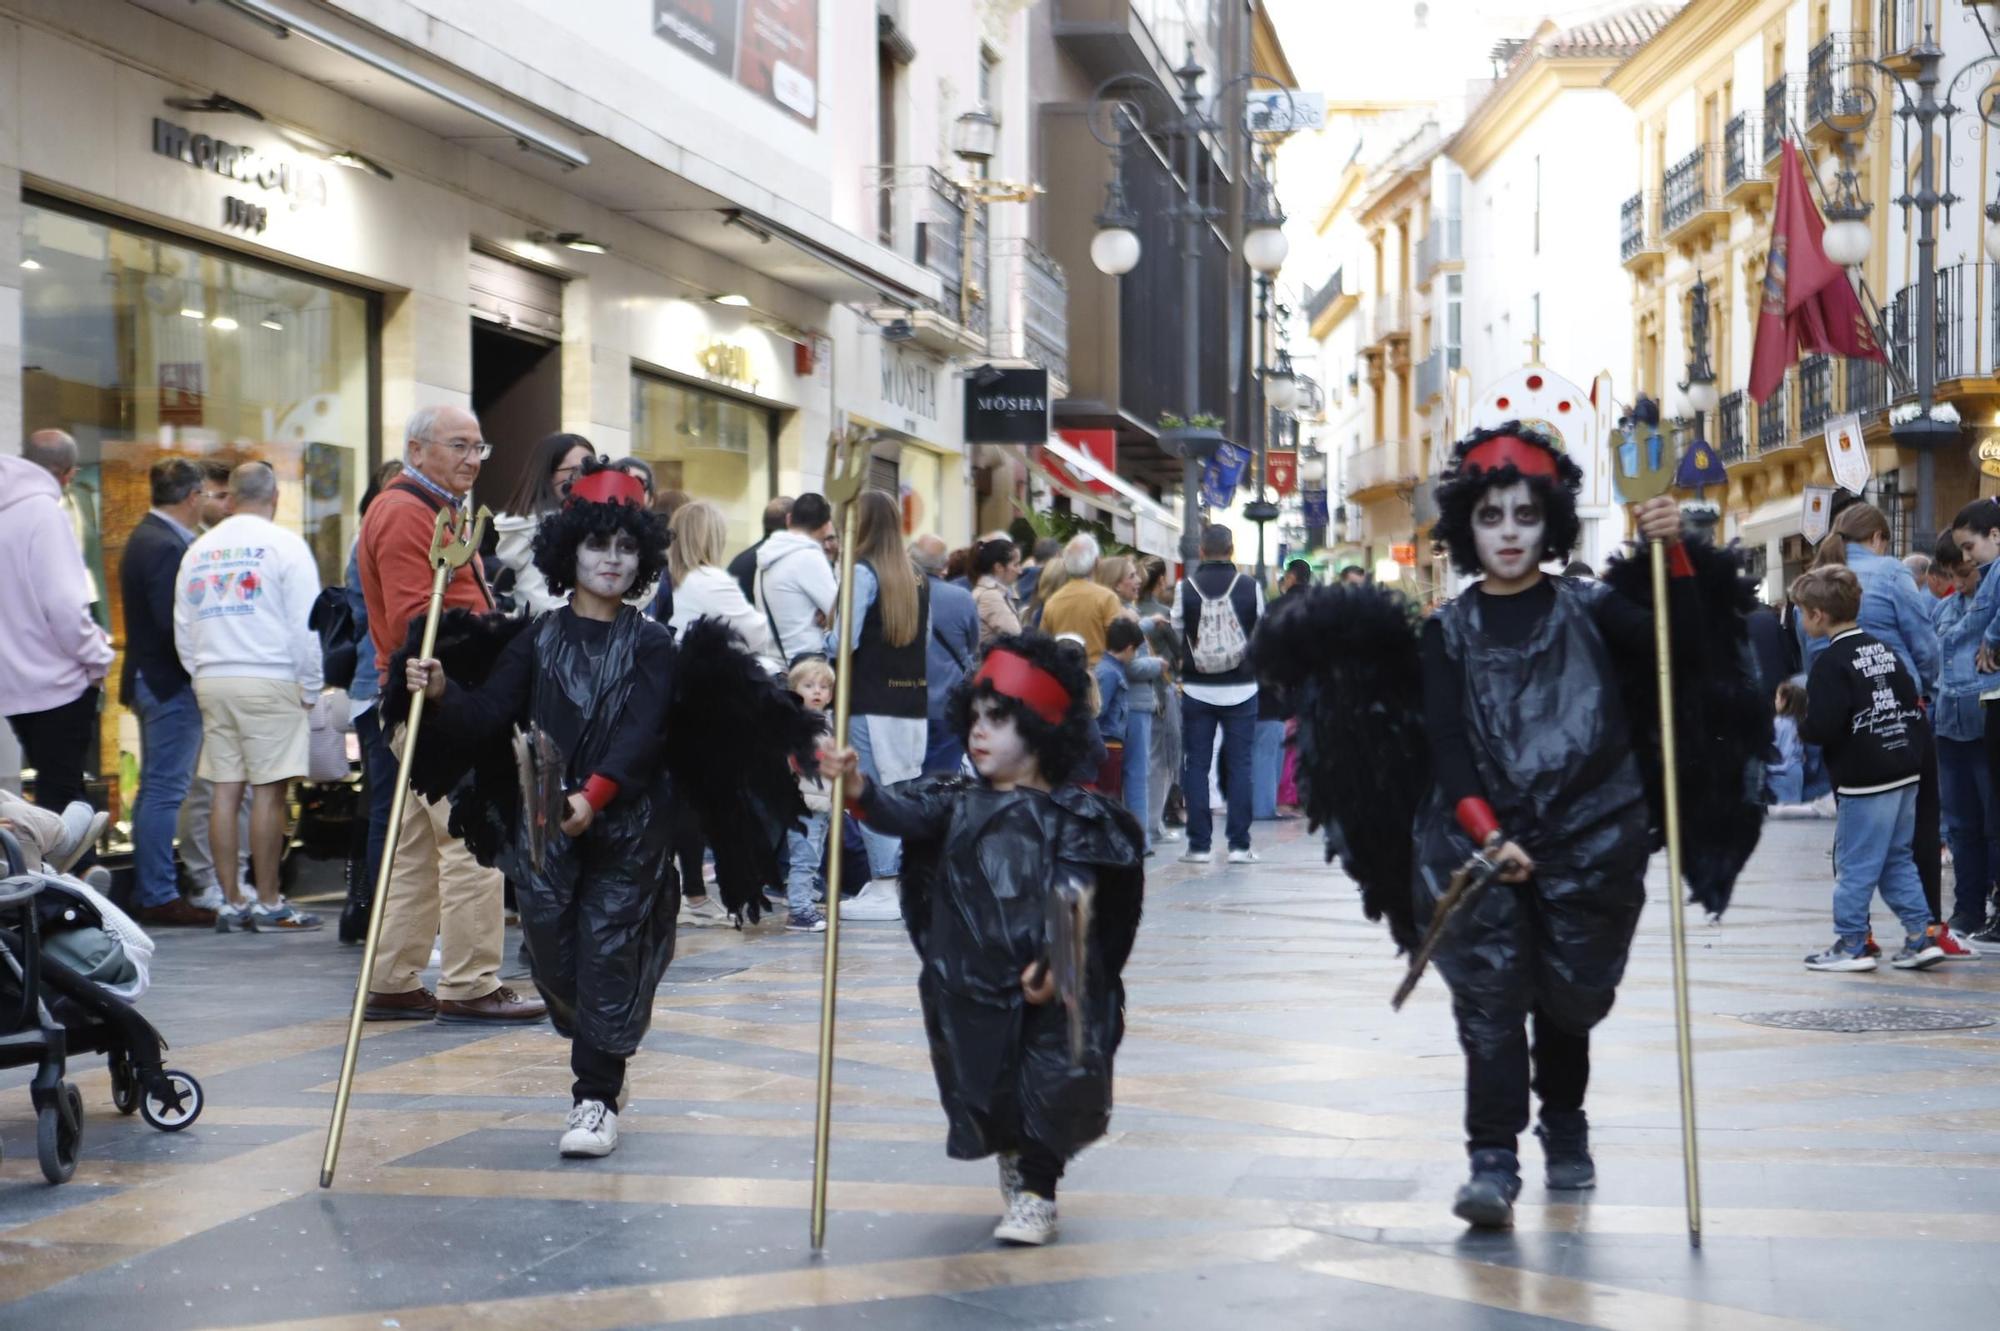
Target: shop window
[712, 446]
[140, 346]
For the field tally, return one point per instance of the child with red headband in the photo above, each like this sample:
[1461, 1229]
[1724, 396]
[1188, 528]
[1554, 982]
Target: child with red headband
[981, 858]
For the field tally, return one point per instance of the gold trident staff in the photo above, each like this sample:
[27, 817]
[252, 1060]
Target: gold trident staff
[1641, 477]
[843, 487]
[446, 556]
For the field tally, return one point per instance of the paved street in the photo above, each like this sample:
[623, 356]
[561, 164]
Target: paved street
[1283, 1154]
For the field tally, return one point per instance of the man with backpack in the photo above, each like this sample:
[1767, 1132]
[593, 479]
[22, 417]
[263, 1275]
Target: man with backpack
[1215, 614]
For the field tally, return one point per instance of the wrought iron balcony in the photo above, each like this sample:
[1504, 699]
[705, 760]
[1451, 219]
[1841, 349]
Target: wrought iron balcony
[1743, 155]
[1638, 228]
[1729, 427]
[1033, 301]
[1432, 372]
[1867, 387]
[1389, 319]
[1901, 24]
[1441, 244]
[1688, 189]
[1369, 472]
[1780, 101]
[1832, 81]
[1773, 425]
[1321, 298]
[1815, 394]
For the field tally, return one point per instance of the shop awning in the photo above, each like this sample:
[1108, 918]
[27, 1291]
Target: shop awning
[1772, 520]
[1155, 529]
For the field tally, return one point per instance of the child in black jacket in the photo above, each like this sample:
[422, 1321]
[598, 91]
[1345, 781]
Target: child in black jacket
[1861, 708]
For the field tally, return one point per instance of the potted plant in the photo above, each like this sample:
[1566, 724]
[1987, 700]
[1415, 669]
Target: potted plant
[1198, 437]
[1914, 428]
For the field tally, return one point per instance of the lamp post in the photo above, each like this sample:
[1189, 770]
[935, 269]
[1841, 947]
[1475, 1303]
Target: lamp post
[975, 137]
[1700, 383]
[1848, 238]
[1116, 249]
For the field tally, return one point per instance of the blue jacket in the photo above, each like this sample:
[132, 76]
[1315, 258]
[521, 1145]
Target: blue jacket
[1894, 614]
[954, 645]
[1961, 627]
[1786, 775]
[1111, 690]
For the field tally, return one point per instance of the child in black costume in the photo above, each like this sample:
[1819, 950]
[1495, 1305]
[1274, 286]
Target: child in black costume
[980, 859]
[598, 907]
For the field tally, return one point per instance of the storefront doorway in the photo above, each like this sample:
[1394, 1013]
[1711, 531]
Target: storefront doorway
[517, 395]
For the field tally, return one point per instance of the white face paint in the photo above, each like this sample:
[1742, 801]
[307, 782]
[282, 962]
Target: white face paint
[1507, 531]
[606, 566]
[995, 745]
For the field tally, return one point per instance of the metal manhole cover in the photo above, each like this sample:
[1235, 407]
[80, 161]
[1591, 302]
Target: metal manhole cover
[1854, 1019]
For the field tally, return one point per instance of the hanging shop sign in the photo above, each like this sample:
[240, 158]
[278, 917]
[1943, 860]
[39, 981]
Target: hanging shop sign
[1007, 406]
[1312, 505]
[1281, 469]
[1816, 517]
[1101, 446]
[1846, 452]
[1406, 555]
[1989, 456]
[1222, 474]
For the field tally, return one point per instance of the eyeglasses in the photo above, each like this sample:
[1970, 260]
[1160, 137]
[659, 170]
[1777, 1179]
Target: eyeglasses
[458, 448]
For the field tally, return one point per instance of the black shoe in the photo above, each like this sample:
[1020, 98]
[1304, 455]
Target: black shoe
[353, 926]
[1565, 1138]
[1487, 1199]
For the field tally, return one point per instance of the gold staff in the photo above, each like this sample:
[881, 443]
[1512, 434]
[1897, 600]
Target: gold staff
[1639, 480]
[446, 556]
[843, 487]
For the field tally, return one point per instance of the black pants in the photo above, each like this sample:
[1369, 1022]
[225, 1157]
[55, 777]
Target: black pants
[688, 851]
[1497, 1085]
[1040, 1169]
[599, 1076]
[58, 744]
[1928, 839]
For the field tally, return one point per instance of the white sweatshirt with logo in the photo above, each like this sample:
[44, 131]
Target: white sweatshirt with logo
[245, 591]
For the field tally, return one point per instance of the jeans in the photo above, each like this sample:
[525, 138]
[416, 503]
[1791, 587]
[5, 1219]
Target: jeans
[807, 843]
[1138, 758]
[56, 743]
[1970, 828]
[1165, 768]
[1871, 849]
[1927, 837]
[169, 742]
[1267, 762]
[1497, 1086]
[1199, 722]
[378, 765]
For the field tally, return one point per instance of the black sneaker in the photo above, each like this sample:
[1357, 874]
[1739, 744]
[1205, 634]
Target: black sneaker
[1487, 1199]
[1565, 1136]
[1990, 933]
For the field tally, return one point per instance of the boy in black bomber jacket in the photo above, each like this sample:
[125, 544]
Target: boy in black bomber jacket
[1862, 709]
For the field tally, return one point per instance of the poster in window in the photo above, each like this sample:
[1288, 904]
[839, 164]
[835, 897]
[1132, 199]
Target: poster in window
[770, 47]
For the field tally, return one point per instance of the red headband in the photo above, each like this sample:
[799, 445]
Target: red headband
[1528, 459]
[609, 486]
[1015, 676]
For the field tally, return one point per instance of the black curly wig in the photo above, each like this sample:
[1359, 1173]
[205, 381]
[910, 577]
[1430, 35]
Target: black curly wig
[1060, 748]
[563, 531]
[1460, 487]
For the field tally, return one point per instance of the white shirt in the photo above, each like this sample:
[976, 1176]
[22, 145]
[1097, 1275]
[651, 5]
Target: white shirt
[242, 600]
[1215, 695]
[710, 593]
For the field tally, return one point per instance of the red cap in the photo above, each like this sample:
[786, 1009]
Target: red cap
[1528, 459]
[609, 486]
[1015, 676]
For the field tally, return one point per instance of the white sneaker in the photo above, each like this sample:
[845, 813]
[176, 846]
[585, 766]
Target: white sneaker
[1245, 856]
[593, 1131]
[704, 911]
[878, 899]
[1030, 1221]
[1166, 834]
[1010, 1176]
[1197, 857]
[209, 898]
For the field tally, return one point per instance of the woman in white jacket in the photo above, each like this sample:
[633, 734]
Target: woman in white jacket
[544, 484]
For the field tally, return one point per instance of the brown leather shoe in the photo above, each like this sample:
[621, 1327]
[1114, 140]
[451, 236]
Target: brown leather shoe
[502, 1006]
[178, 913]
[418, 1004]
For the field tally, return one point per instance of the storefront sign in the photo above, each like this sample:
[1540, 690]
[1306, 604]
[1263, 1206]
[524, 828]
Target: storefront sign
[770, 47]
[727, 363]
[1406, 555]
[1101, 446]
[1007, 406]
[1989, 456]
[910, 383]
[1281, 469]
[304, 186]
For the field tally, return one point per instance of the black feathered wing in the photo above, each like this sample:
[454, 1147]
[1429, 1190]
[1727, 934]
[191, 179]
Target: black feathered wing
[1722, 718]
[732, 736]
[1349, 657]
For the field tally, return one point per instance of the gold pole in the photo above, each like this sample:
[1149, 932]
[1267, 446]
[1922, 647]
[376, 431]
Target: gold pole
[1670, 786]
[843, 487]
[446, 555]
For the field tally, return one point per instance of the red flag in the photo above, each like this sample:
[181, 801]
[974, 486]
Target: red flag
[1808, 304]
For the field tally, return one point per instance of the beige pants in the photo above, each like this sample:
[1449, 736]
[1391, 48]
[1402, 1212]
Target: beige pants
[438, 889]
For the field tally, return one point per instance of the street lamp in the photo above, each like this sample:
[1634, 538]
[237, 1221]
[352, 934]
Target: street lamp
[975, 138]
[1700, 383]
[1281, 384]
[1115, 250]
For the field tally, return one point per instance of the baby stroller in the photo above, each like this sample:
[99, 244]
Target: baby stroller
[49, 1010]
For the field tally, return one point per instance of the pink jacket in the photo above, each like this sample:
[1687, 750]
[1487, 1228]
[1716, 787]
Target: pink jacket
[50, 647]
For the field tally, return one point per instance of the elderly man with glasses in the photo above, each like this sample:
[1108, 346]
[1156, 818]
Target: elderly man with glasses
[437, 889]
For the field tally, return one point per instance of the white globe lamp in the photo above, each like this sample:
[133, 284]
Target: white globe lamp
[1265, 249]
[1115, 250]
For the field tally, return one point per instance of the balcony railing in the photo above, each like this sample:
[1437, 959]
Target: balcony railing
[1687, 189]
[1901, 24]
[1729, 427]
[1441, 244]
[941, 247]
[1433, 370]
[1780, 101]
[1867, 387]
[1034, 307]
[1773, 425]
[1815, 393]
[1320, 298]
[1638, 226]
[1743, 154]
[1389, 319]
[1832, 81]
[1373, 468]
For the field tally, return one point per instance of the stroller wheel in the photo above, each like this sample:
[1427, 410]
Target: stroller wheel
[178, 1107]
[124, 1084]
[58, 1134]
